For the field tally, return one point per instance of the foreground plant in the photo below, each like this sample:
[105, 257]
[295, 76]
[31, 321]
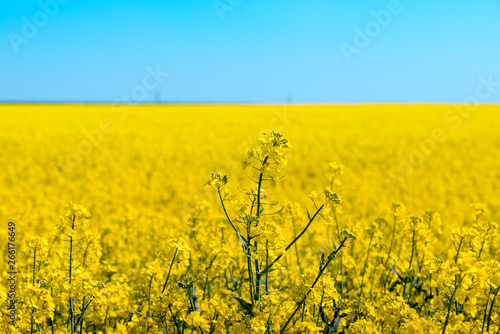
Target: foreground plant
[266, 165]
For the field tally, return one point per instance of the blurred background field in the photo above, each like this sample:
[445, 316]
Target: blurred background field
[155, 159]
[141, 173]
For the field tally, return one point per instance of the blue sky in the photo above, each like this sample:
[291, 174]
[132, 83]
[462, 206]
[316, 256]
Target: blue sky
[352, 51]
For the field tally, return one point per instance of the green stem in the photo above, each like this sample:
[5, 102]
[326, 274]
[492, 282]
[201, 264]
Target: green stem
[34, 266]
[83, 311]
[175, 320]
[243, 240]
[268, 267]
[320, 306]
[482, 244]
[259, 187]
[337, 222]
[411, 260]
[491, 309]
[34, 276]
[366, 264]
[257, 266]
[169, 270]
[485, 315]
[412, 249]
[451, 303]
[341, 264]
[385, 276]
[71, 322]
[251, 281]
[392, 242]
[267, 262]
[297, 252]
[458, 250]
[149, 295]
[330, 258]
[257, 269]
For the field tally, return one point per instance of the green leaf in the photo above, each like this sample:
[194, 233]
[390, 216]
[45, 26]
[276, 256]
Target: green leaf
[245, 305]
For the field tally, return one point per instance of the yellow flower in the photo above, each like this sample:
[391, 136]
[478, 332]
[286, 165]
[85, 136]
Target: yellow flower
[217, 181]
[313, 195]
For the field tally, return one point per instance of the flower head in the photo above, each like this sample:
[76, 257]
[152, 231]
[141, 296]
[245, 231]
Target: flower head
[217, 181]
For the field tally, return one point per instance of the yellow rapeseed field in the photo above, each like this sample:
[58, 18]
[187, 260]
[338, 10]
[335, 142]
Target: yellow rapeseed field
[250, 219]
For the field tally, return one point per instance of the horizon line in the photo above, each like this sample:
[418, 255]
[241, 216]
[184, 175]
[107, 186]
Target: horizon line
[236, 103]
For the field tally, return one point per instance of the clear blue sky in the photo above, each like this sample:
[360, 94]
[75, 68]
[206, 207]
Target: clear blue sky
[248, 50]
